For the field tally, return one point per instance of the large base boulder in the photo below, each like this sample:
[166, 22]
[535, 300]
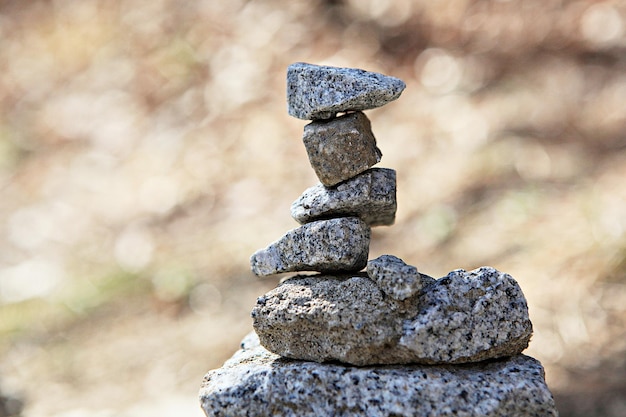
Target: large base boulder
[463, 317]
[257, 383]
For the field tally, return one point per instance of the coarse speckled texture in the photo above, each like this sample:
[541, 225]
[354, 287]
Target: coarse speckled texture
[257, 383]
[370, 196]
[340, 148]
[397, 279]
[469, 316]
[325, 318]
[335, 245]
[320, 92]
[463, 317]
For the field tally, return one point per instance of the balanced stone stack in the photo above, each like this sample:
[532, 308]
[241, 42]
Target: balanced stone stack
[390, 341]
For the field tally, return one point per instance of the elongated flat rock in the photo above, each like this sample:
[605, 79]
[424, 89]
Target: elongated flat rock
[337, 245]
[320, 92]
[371, 196]
[340, 148]
[257, 383]
[463, 317]
[397, 279]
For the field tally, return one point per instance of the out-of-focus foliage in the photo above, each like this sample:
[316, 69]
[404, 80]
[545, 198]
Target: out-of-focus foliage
[146, 152]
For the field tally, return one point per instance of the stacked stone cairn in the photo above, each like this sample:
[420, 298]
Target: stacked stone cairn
[390, 341]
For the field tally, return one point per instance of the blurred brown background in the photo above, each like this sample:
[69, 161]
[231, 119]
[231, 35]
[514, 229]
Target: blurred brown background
[146, 152]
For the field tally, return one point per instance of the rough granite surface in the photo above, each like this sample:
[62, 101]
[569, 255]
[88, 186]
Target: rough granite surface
[335, 245]
[397, 279]
[463, 317]
[340, 148]
[370, 196]
[320, 92]
[257, 383]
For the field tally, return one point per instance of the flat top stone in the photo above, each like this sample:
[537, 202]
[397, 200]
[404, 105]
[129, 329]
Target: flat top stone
[320, 92]
[257, 383]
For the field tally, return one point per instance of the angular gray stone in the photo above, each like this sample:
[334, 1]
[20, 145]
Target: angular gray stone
[257, 383]
[340, 148]
[370, 196]
[335, 245]
[463, 317]
[397, 279]
[320, 92]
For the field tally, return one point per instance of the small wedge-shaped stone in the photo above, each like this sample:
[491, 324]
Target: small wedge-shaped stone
[340, 148]
[257, 383]
[320, 92]
[461, 318]
[336, 245]
[370, 196]
[397, 279]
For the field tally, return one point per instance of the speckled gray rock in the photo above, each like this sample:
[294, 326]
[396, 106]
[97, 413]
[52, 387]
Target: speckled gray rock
[320, 92]
[257, 383]
[336, 245]
[397, 279]
[340, 148]
[463, 317]
[370, 196]
[468, 317]
[323, 318]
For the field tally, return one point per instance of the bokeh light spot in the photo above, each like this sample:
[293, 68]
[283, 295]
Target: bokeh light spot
[133, 249]
[438, 71]
[602, 24]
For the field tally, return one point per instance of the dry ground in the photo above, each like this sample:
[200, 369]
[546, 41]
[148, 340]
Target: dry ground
[146, 152]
